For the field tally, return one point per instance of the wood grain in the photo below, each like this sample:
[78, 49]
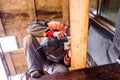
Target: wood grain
[79, 17]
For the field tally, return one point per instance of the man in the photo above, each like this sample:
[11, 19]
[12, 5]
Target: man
[46, 57]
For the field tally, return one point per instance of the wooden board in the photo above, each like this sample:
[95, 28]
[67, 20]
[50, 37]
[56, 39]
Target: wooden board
[32, 10]
[105, 72]
[10, 64]
[79, 17]
[2, 32]
[65, 11]
[16, 61]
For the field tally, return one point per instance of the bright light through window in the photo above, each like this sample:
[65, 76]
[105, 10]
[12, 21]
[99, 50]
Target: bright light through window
[8, 43]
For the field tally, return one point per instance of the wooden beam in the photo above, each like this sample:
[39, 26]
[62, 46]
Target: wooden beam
[65, 11]
[32, 10]
[10, 63]
[79, 17]
[2, 32]
[103, 72]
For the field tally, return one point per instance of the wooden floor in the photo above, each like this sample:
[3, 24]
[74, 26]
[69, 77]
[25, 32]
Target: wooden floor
[105, 72]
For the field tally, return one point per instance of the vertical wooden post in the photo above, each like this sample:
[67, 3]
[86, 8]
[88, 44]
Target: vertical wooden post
[32, 10]
[79, 17]
[2, 31]
[65, 11]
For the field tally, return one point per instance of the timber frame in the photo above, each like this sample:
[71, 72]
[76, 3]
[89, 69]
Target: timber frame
[79, 19]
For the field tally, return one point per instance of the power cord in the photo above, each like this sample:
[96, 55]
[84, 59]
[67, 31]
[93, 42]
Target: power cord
[32, 61]
[54, 43]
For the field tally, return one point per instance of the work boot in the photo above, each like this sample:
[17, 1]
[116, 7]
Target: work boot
[36, 74]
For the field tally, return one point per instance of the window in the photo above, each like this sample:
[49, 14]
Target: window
[103, 13]
[93, 6]
[109, 10]
[105, 9]
[8, 43]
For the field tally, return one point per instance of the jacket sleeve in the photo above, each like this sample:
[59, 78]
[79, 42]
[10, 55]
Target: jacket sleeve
[37, 29]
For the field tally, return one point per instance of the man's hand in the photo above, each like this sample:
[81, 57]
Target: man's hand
[55, 25]
[59, 34]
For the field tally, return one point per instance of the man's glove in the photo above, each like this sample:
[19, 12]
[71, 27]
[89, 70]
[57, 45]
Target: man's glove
[55, 25]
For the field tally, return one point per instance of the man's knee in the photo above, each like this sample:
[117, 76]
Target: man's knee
[27, 39]
[56, 68]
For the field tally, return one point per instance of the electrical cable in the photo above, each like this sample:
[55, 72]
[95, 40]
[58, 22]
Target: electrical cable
[55, 42]
[32, 61]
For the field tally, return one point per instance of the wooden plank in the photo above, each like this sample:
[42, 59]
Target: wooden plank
[32, 10]
[79, 17]
[2, 32]
[65, 11]
[10, 63]
[104, 72]
[16, 61]
[19, 60]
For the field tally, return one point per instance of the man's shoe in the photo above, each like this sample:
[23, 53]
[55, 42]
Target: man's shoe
[36, 74]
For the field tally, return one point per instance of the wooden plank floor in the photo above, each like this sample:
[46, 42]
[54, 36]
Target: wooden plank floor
[105, 72]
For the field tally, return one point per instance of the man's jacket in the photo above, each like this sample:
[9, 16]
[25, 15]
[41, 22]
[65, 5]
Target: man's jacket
[55, 54]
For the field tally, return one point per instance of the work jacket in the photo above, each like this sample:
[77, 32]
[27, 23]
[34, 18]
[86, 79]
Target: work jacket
[55, 54]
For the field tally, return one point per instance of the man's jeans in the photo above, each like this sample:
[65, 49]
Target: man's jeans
[40, 61]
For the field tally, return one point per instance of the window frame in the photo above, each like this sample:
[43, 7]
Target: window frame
[108, 25]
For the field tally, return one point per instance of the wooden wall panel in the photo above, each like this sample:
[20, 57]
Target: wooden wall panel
[10, 64]
[65, 12]
[19, 14]
[19, 61]
[16, 62]
[16, 18]
[49, 9]
[2, 31]
[32, 10]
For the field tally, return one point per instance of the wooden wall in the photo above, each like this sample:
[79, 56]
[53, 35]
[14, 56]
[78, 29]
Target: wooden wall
[15, 18]
[16, 15]
[48, 9]
[79, 19]
[16, 62]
